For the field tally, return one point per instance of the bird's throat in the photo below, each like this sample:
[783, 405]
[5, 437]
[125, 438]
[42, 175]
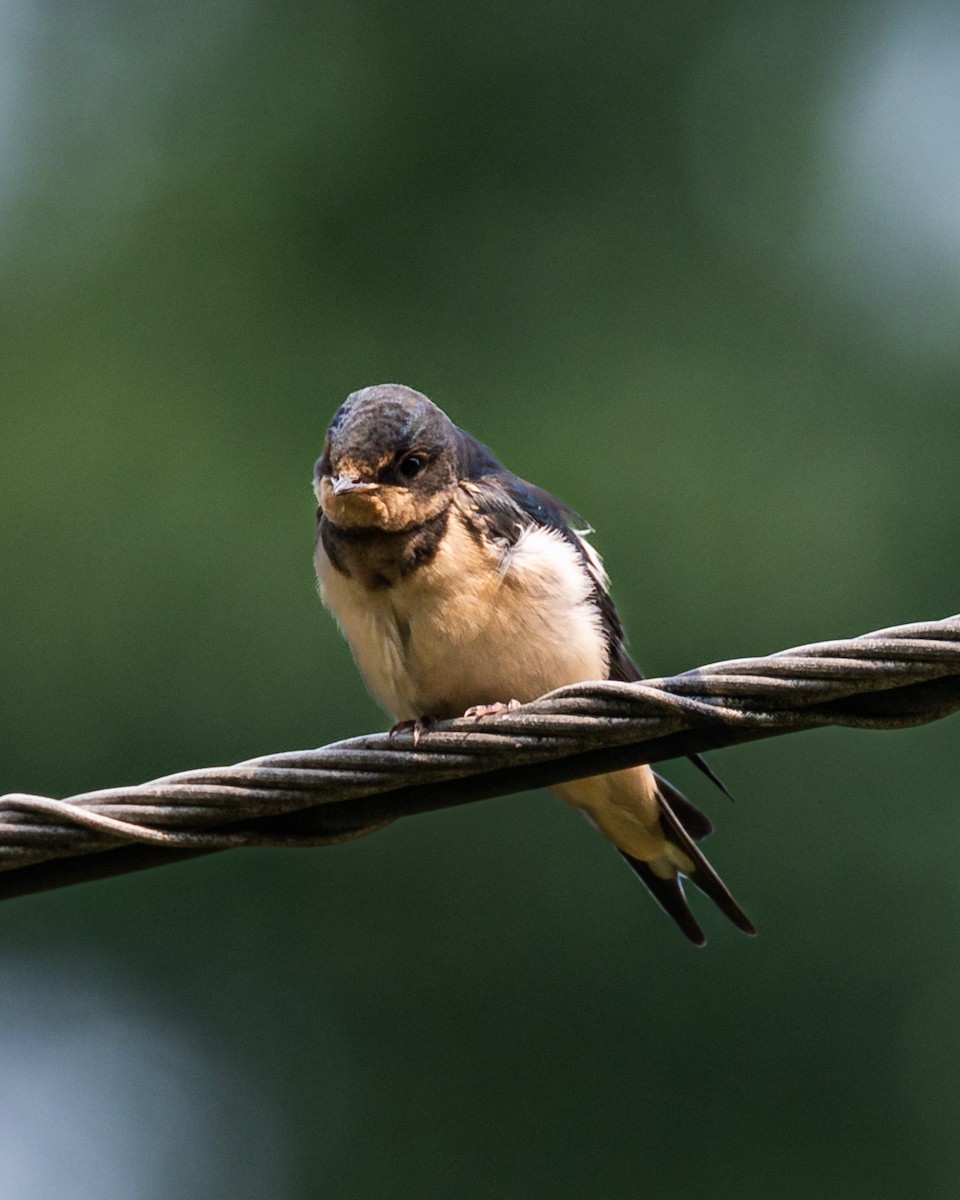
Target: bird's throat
[379, 558]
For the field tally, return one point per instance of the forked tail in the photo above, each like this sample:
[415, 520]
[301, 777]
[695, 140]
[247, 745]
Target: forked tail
[684, 824]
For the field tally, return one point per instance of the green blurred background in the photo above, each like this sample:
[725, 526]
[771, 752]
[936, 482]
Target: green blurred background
[694, 268]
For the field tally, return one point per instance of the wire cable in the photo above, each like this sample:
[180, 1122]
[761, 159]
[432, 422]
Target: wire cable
[892, 679]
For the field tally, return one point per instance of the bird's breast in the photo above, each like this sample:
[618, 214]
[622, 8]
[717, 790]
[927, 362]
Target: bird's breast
[473, 622]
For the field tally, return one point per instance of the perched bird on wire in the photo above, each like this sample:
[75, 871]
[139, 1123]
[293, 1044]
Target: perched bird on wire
[462, 590]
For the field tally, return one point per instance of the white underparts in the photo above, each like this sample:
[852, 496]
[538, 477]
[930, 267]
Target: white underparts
[478, 624]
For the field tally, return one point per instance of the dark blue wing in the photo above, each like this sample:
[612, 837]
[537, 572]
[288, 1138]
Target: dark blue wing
[507, 504]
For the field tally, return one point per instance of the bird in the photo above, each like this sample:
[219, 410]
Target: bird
[462, 589]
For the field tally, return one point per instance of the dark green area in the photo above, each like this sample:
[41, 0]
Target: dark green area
[223, 219]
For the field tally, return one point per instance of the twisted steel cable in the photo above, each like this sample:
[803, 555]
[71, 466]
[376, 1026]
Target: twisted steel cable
[891, 679]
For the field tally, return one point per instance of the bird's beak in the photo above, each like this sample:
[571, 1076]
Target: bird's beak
[347, 484]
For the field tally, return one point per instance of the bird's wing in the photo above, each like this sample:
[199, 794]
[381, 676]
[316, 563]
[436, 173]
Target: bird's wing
[507, 504]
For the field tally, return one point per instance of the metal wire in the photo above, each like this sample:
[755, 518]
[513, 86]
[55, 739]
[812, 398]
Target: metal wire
[891, 679]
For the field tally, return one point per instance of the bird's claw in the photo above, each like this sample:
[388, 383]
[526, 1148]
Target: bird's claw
[418, 728]
[478, 711]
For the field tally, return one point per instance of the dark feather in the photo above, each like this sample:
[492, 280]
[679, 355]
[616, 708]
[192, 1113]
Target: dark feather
[506, 504]
[703, 875]
[668, 893]
[702, 765]
[683, 822]
[509, 504]
[696, 823]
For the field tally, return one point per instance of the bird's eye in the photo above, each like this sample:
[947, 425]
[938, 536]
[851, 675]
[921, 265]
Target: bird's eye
[412, 465]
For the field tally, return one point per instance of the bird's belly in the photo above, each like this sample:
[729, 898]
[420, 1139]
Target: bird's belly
[464, 631]
[452, 667]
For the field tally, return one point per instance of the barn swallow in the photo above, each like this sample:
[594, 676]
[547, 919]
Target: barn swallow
[461, 587]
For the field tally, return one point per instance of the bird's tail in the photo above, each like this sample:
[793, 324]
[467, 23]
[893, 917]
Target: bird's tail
[656, 829]
[684, 825]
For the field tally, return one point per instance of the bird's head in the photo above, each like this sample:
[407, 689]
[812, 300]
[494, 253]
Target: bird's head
[390, 461]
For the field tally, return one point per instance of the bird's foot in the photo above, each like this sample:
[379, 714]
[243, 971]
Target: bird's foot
[418, 728]
[478, 711]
